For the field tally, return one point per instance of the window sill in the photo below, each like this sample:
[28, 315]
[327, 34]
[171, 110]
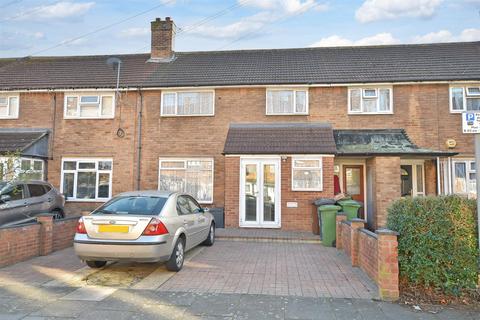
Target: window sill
[286, 114]
[9, 118]
[89, 118]
[307, 190]
[369, 113]
[87, 200]
[185, 115]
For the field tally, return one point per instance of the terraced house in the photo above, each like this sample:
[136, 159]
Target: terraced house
[260, 133]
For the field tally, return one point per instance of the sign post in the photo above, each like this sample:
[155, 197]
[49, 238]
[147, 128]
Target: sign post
[471, 124]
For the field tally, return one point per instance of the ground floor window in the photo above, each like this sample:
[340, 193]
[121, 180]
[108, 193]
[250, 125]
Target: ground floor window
[87, 179]
[22, 168]
[307, 174]
[464, 177]
[192, 176]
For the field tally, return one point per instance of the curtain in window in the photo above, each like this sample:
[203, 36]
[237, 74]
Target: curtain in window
[192, 103]
[355, 100]
[460, 183]
[457, 98]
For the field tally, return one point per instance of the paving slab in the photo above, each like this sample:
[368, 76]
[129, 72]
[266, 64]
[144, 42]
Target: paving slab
[90, 293]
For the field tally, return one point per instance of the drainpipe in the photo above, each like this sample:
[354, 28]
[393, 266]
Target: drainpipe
[438, 176]
[449, 184]
[139, 139]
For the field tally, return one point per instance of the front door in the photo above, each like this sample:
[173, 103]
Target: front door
[412, 177]
[260, 193]
[353, 183]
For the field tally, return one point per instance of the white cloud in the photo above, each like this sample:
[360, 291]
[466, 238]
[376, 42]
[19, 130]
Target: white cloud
[59, 10]
[374, 10]
[134, 32]
[383, 38]
[17, 40]
[271, 11]
[471, 34]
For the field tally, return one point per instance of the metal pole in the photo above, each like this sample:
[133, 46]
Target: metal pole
[477, 175]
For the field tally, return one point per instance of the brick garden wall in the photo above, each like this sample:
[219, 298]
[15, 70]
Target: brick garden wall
[36, 239]
[375, 253]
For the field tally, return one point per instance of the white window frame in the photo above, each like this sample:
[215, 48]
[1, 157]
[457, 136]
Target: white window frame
[184, 160]
[8, 97]
[320, 167]
[294, 90]
[465, 96]
[362, 96]
[100, 96]
[468, 170]
[75, 178]
[162, 114]
[17, 169]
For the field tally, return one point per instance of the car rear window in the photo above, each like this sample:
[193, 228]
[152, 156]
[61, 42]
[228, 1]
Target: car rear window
[139, 205]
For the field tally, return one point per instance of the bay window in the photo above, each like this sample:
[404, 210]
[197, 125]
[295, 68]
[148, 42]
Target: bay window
[307, 174]
[192, 176]
[87, 179]
[464, 177]
[464, 98]
[287, 102]
[9, 106]
[187, 103]
[89, 106]
[370, 100]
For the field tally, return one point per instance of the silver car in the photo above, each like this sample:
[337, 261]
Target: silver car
[144, 226]
[22, 201]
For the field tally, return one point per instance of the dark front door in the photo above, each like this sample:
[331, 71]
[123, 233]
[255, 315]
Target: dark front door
[353, 183]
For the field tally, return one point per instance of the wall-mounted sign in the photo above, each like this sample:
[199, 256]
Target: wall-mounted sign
[471, 122]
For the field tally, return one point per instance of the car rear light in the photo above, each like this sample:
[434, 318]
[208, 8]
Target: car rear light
[155, 228]
[81, 227]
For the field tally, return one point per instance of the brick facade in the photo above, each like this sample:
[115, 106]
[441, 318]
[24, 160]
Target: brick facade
[421, 109]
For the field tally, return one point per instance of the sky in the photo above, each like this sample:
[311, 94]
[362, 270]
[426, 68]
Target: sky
[88, 27]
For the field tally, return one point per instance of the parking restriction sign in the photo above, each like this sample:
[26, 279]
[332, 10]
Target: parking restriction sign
[471, 122]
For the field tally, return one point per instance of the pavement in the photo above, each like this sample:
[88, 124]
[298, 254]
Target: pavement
[231, 280]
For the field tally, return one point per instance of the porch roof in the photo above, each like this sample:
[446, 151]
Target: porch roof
[371, 142]
[28, 142]
[280, 138]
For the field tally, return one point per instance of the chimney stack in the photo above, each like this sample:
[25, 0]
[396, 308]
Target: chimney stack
[163, 37]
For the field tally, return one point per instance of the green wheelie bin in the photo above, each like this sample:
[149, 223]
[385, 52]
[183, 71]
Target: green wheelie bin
[327, 217]
[350, 207]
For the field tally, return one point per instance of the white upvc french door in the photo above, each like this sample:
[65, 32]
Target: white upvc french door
[260, 192]
[413, 178]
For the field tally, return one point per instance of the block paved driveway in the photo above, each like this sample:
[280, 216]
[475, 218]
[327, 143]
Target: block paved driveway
[231, 280]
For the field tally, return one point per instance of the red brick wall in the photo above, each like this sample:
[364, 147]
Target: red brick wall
[346, 230]
[63, 233]
[232, 191]
[24, 242]
[19, 243]
[367, 253]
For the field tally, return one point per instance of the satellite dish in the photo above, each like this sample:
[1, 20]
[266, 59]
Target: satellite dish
[114, 62]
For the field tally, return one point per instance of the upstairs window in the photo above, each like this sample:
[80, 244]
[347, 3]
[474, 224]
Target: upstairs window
[187, 103]
[287, 102]
[89, 106]
[8, 106]
[464, 99]
[370, 100]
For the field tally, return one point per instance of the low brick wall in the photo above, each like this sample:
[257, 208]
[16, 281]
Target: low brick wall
[375, 253]
[35, 239]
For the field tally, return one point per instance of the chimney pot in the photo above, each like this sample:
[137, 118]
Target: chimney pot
[163, 38]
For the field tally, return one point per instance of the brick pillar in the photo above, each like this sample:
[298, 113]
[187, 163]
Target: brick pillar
[340, 217]
[46, 234]
[388, 265]
[232, 191]
[430, 177]
[387, 187]
[356, 224]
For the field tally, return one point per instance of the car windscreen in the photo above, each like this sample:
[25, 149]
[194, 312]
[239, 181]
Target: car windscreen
[134, 205]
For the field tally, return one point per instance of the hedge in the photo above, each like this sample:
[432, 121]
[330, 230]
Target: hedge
[438, 246]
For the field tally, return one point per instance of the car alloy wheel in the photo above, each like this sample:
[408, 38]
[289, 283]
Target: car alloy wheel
[179, 254]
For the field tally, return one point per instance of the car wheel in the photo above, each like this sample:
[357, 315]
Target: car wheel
[58, 214]
[211, 236]
[175, 263]
[95, 264]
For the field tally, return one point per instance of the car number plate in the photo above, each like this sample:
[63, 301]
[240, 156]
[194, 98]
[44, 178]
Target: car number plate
[112, 228]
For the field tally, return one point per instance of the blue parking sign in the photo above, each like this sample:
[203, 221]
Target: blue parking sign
[470, 116]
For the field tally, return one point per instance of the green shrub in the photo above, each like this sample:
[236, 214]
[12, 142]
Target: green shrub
[438, 246]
